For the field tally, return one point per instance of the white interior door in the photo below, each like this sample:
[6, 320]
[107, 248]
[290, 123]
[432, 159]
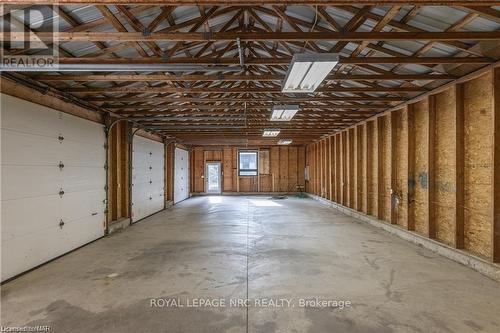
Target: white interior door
[181, 175]
[213, 177]
[53, 179]
[148, 177]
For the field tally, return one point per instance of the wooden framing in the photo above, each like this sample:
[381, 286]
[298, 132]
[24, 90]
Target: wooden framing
[158, 100]
[455, 176]
[251, 2]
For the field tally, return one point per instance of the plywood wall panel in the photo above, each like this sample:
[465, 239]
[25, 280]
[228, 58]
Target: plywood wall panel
[478, 120]
[350, 167]
[401, 152]
[385, 188]
[359, 168]
[445, 169]
[227, 169]
[283, 169]
[301, 162]
[275, 168]
[199, 169]
[333, 162]
[372, 170]
[438, 156]
[292, 168]
[420, 173]
[366, 167]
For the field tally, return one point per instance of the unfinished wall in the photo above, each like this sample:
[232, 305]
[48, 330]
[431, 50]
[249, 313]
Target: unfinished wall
[419, 175]
[432, 166]
[118, 175]
[478, 165]
[281, 168]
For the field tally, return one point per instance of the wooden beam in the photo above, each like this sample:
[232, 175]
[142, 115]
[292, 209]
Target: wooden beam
[275, 99]
[252, 2]
[274, 60]
[252, 36]
[88, 90]
[223, 77]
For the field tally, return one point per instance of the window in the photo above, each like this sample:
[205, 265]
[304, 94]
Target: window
[247, 163]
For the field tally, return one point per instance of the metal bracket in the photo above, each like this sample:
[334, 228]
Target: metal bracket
[146, 32]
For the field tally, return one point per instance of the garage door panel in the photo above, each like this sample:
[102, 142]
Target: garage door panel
[141, 177]
[32, 207]
[25, 149]
[29, 215]
[147, 177]
[29, 181]
[80, 154]
[181, 175]
[140, 191]
[76, 179]
[32, 249]
[17, 114]
[76, 130]
[75, 206]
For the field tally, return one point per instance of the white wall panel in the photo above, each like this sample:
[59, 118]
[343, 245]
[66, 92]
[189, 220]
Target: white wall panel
[148, 177]
[34, 140]
[181, 175]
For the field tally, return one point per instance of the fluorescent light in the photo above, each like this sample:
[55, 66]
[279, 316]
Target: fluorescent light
[271, 132]
[284, 112]
[307, 71]
[285, 141]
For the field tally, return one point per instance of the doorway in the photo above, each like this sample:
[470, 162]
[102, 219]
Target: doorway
[213, 178]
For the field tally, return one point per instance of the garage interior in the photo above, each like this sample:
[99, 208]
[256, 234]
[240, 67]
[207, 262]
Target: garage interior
[335, 165]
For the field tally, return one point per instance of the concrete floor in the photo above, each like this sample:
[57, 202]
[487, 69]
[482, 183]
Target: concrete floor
[234, 247]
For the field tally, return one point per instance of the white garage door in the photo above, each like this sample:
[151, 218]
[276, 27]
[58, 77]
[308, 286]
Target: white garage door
[181, 175]
[148, 177]
[53, 181]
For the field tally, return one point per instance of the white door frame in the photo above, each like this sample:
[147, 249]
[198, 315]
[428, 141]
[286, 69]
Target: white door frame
[207, 176]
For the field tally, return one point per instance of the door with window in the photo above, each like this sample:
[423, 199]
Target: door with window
[213, 177]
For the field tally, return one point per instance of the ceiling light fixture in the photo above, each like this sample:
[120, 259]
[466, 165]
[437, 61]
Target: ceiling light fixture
[285, 141]
[307, 71]
[284, 112]
[271, 132]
